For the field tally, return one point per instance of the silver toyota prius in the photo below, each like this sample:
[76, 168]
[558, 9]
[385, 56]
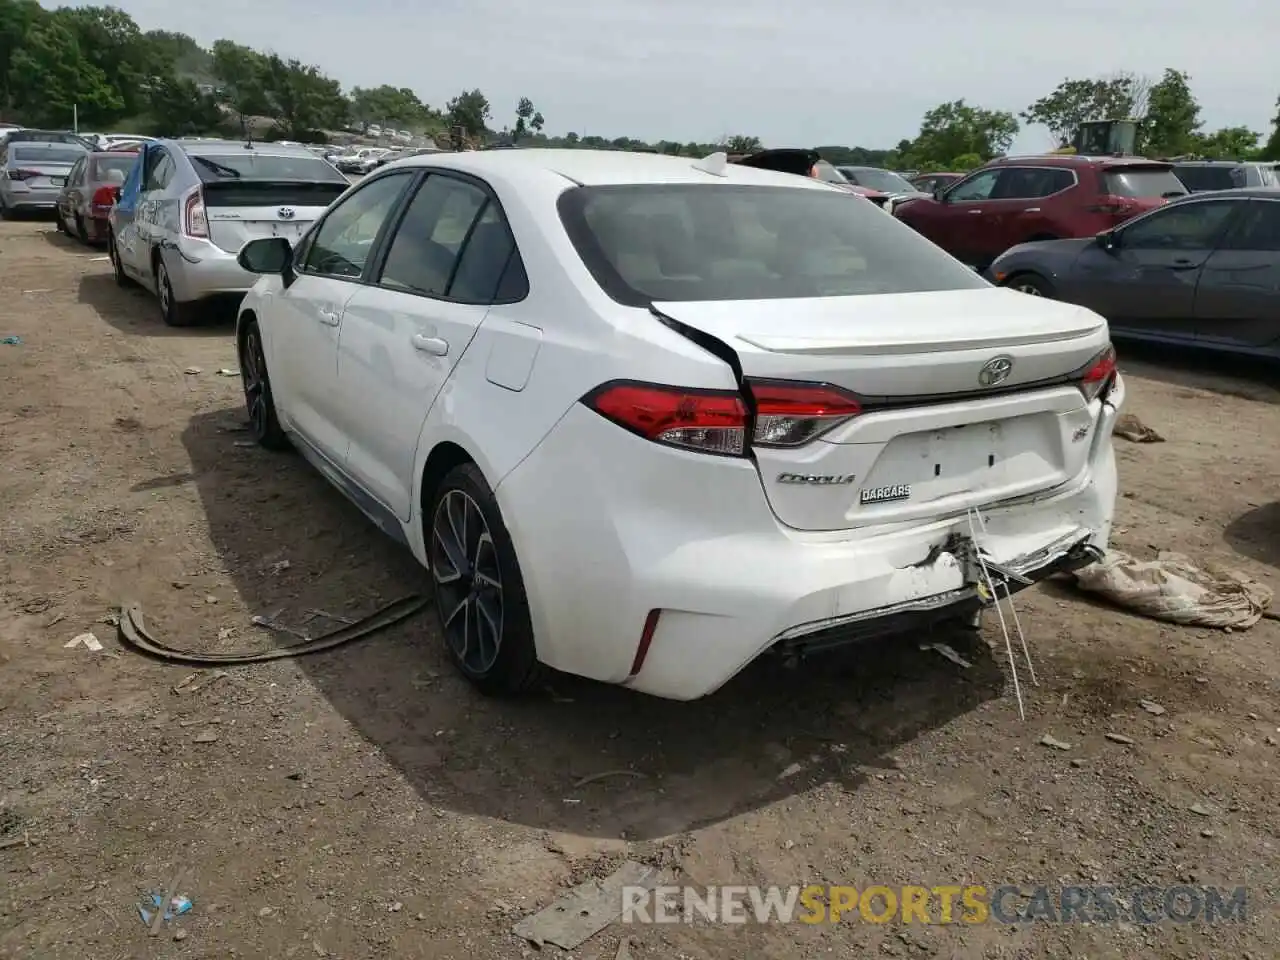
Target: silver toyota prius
[189, 206]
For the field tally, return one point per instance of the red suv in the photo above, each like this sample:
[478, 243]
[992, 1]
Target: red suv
[1016, 199]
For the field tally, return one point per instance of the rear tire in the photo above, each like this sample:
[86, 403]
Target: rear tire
[480, 599]
[173, 313]
[59, 223]
[81, 233]
[1031, 284]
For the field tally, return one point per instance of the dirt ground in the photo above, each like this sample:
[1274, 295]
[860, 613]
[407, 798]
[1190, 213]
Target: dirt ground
[366, 803]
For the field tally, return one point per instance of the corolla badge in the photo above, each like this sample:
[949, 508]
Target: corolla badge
[995, 371]
[285, 213]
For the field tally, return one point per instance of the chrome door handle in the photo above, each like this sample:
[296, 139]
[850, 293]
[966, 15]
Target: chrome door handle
[975, 212]
[329, 318]
[432, 345]
[1031, 210]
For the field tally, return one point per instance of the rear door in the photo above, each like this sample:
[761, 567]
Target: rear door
[1018, 211]
[137, 243]
[1238, 298]
[72, 198]
[1147, 283]
[401, 338]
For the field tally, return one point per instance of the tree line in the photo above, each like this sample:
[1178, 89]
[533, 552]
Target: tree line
[97, 64]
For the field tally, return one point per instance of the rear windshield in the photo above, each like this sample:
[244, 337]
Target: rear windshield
[1197, 179]
[115, 169]
[675, 242]
[1140, 182]
[34, 153]
[251, 165]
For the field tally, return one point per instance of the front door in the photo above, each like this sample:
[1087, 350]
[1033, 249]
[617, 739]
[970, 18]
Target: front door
[963, 220]
[1147, 282]
[1240, 284]
[402, 337]
[331, 265]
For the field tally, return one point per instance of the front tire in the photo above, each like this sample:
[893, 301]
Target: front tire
[1031, 284]
[479, 592]
[259, 402]
[122, 278]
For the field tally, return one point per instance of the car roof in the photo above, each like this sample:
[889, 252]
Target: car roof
[605, 167]
[1245, 193]
[1221, 163]
[208, 148]
[1077, 160]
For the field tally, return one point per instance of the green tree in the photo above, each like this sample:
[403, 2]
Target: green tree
[469, 110]
[17, 17]
[180, 55]
[49, 79]
[388, 104]
[1271, 149]
[955, 129]
[178, 108]
[740, 143]
[240, 71]
[109, 39]
[301, 99]
[524, 117]
[1229, 143]
[1072, 102]
[1172, 124]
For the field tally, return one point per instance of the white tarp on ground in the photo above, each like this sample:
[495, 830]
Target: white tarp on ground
[1172, 588]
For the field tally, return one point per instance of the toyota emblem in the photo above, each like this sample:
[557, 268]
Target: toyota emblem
[995, 371]
[285, 213]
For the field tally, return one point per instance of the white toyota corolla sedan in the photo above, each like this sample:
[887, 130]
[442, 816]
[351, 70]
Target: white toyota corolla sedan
[647, 418]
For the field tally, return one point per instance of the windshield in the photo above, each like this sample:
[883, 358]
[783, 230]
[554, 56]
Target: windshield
[1198, 179]
[1147, 183]
[827, 173]
[251, 165]
[647, 242]
[38, 153]
[886, 181]
[115, 169]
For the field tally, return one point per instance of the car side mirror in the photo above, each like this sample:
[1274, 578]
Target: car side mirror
[938, 191]
[1107, 240]
[266, 255]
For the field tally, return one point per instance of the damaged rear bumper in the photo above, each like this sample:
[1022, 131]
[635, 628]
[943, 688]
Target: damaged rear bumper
[1065, 554]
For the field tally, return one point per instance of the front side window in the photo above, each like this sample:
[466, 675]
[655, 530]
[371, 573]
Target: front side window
[975, 188]
[673, 242]
[1183, 226]
[345, 237]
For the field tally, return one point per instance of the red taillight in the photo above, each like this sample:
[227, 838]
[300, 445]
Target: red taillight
[1115, 206]
[708, 421]
[789, 414]
[1098, 375]
[194, 221]
[24, 174]
[104, 199]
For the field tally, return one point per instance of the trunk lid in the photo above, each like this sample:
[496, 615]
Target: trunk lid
[931, 438]
[45, 176]
[242, 210]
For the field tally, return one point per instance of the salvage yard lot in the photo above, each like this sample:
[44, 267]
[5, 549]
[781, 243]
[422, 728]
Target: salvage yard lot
[367, 803]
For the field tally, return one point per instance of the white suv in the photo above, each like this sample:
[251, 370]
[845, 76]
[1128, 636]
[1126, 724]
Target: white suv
[646, 418]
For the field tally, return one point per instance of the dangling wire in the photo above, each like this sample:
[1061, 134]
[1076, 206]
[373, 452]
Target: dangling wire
[1013, 611]
[990, 586]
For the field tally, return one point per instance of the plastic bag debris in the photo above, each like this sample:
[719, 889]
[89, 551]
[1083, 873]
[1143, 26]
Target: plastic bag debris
[1173, 589]
[177, 907]
[87, 640]
[11, 341]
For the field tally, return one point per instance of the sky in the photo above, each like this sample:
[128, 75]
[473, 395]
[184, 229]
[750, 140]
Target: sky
[792, 74]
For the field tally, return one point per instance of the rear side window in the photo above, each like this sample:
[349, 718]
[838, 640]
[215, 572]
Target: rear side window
[672, 242]
[1142, 182]
[1257, 229]
[252, 165]
[1198, 179]
[36, 155]
[1028, 183]
[111, 169]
